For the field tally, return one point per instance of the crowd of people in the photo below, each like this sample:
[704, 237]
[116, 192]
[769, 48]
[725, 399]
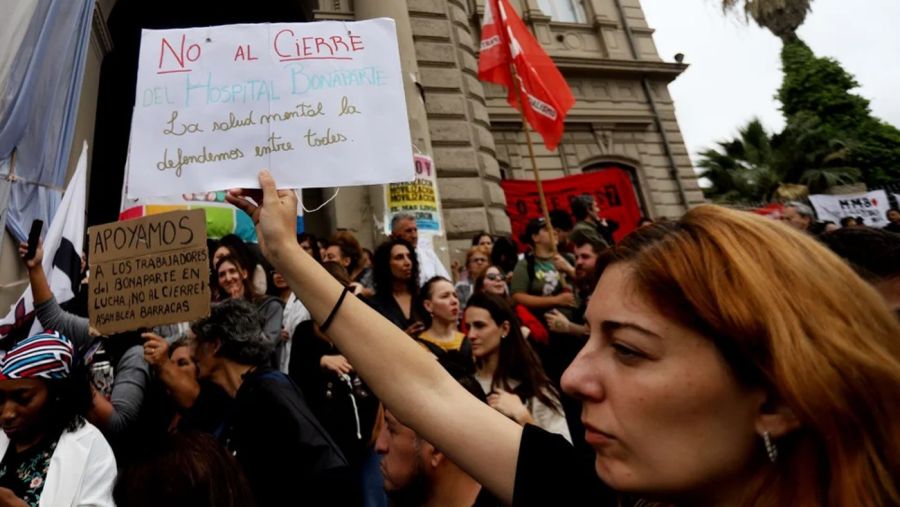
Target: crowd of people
[718, 359]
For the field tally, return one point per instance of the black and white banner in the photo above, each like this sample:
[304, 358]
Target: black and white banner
[870, 206]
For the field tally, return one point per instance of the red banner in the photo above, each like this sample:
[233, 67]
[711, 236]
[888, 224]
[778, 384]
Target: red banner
[610, 187]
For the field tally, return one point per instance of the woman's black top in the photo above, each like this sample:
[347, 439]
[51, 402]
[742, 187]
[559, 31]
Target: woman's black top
[551, 472]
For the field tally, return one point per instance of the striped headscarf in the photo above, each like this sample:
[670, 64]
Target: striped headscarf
[46, 355]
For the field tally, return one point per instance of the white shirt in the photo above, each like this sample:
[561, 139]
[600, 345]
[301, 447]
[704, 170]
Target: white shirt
[429, 264]
[82, 470]
[546, 418]
[294, 314]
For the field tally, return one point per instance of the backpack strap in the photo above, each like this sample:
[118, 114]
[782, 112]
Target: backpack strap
[530, 262]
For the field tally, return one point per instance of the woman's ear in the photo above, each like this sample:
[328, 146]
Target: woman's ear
[775, 418]
[429, 307]
[504, 328]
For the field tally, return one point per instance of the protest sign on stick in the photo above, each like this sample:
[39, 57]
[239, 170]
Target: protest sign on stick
[319, 104]
[148, 271]
[418, 197]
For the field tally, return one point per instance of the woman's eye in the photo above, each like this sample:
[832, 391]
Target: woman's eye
[626, 353]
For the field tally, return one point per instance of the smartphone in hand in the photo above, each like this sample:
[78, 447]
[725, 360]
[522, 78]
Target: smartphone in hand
[33, 237]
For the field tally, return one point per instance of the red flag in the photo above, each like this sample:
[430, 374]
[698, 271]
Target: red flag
[505, 39]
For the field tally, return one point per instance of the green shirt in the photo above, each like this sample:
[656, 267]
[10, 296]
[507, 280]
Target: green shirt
[546, 281]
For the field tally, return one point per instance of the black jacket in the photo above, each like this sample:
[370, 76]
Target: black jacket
[287, 456]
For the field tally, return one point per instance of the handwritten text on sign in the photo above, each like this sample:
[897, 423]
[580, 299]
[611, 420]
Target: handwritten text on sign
[148, 271]
[319, 104]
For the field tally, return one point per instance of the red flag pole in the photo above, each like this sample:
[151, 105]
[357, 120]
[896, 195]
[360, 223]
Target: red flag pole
[537, 174]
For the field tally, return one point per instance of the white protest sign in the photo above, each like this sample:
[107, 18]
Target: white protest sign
[871, 206]
[318, 104]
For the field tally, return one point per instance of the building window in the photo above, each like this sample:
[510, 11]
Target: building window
[566, 11]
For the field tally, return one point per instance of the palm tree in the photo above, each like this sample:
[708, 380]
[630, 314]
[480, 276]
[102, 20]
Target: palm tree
[781, 17]
[752, 167]
[807, 153]
[742, 169]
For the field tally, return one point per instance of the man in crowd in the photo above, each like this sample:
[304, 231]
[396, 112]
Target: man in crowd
[417, 474]
[587, 251]
[589, 222]
[798, 215]
[403, 226]
[539, 284]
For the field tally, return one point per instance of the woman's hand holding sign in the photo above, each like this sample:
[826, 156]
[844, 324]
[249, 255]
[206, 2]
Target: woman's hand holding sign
[273, 211]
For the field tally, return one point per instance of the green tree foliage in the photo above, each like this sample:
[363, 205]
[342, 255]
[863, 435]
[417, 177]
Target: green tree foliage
[817, 92]
[741, 169]
[751, 167]
[830, 137]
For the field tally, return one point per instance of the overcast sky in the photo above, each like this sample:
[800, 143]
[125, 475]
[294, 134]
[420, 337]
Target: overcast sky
[735, 71]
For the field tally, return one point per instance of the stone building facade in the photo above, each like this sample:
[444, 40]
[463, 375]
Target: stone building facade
[624, 114]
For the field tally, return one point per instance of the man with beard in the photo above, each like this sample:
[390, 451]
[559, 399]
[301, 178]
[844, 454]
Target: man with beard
[587, 251]
[416, 474]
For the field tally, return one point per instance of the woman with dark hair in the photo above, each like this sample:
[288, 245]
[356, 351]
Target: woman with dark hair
[234, 282]
[722, 368]
[492, 281]
[310, 244]
[51, 454]
[396, 275]
[234, 246]
[124, 405]
[505, 255]
[343, 248]
[185, 469]
[508, 369]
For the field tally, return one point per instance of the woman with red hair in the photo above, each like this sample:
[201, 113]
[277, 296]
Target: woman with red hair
[732, 360]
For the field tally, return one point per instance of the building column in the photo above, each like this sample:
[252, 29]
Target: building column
[361, 209]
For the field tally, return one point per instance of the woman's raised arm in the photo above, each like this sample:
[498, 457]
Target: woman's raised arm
[407, 379]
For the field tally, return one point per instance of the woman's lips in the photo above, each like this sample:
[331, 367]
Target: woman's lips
[596, 437]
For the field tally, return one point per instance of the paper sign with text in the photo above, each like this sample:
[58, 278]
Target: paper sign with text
[318, 104]
[418, 197]
[148, 271]
[870, 206]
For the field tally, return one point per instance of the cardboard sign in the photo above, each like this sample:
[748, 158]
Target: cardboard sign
[418, 197]
[318, 104]
[148, 271]
[611, 188]
[870, 206]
